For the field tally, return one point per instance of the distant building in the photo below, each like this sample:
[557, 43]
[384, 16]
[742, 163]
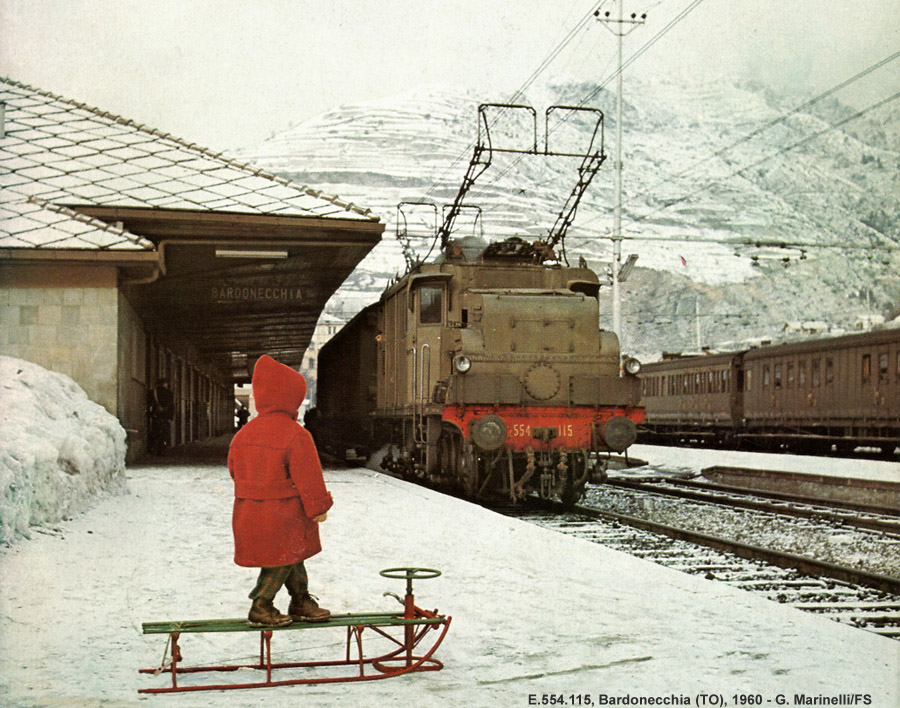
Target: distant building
[806, 327]
[326, 328]
[868, 321]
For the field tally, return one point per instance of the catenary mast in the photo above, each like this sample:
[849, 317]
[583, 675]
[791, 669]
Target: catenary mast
[620, 27]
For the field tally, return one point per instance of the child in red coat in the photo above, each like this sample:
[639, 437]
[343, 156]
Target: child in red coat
[279, 496]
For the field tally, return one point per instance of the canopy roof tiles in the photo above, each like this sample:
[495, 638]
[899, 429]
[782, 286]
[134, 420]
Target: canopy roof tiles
[58, 152]
[35, 223]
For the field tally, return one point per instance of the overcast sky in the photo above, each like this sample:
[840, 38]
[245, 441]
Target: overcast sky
[229, 73]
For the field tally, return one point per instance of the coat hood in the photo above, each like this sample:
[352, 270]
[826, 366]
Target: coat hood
[277, 388]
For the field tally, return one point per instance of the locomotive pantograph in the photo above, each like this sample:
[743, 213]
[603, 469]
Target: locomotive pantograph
[485, 370]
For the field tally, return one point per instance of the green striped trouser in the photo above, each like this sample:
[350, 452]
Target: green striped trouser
[270, 580]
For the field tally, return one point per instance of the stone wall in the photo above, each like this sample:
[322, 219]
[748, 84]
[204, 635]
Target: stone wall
[64, 318]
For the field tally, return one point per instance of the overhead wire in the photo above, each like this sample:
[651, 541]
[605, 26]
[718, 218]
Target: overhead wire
[757, 163]
[524, 87]
[778, 121]
[584, 101]
[518, 93]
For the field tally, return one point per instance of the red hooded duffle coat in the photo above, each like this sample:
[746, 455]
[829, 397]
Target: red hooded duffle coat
[278, 484]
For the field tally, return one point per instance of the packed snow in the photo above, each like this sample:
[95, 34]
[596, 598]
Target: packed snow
[58, 449]
[535, 613]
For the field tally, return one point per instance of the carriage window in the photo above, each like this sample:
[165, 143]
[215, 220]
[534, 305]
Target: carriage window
[866, 367]
[790, 374]
[814, 371]
[801, 373]
[777, 375]
[430, 304]
[766, 376]
[883, 367]
[829, 371]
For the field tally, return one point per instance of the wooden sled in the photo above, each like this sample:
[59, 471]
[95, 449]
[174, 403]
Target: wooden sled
[410, 627]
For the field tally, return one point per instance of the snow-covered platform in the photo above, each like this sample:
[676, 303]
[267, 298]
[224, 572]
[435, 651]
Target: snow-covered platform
[696, 459]
[535, 614]
[846, 480]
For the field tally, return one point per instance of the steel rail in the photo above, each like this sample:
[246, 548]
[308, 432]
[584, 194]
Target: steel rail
[886, 526]
[803, 564]
[787, 496]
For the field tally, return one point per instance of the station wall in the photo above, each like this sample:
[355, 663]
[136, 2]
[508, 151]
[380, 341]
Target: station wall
[73, 319]
[63, 317]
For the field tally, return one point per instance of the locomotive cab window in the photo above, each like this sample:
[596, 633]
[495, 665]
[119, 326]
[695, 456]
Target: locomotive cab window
[431, 304]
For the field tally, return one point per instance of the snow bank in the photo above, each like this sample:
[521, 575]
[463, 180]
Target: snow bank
[58, 449]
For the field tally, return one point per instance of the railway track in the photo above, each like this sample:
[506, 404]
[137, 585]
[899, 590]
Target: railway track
[856, 515]
[860, 598]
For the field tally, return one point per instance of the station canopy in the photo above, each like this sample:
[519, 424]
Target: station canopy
[213, 252]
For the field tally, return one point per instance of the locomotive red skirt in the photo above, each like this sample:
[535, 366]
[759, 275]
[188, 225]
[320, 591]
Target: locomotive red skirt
[520, 428]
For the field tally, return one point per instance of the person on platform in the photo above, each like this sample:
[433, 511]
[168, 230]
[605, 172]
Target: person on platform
[162, 410]
[243, 415]
[280, 497]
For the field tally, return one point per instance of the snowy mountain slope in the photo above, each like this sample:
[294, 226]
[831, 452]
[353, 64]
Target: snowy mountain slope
[696, 188]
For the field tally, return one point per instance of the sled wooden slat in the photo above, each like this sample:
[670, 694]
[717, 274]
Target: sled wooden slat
[371, 619]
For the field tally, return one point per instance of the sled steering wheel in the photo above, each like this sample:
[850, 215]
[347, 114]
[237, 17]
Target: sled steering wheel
[410, 574]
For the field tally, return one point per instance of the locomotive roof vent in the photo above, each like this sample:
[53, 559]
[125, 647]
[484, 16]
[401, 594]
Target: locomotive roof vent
[467, 248]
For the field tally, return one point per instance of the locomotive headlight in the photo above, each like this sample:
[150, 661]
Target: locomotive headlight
[632, 366]
[462, 363]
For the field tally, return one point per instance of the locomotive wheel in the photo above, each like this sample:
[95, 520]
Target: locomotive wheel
[459, 462]
[447, 446]
[576, 479]
[467, 469]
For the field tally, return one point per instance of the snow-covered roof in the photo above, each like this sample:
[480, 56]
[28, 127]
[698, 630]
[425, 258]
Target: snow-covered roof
[35, 223]
[58, 152]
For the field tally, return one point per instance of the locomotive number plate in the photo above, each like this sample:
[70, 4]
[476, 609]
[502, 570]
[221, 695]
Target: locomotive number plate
[523, 430]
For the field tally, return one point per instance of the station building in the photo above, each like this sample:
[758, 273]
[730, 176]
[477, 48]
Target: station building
[128, 255]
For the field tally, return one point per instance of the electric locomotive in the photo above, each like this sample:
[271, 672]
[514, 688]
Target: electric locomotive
[485, 371]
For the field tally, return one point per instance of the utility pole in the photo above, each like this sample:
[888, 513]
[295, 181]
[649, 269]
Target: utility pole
[697, 320]
[620, 27]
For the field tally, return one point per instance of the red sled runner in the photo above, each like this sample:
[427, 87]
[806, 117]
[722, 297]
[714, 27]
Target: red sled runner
[409, 630]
